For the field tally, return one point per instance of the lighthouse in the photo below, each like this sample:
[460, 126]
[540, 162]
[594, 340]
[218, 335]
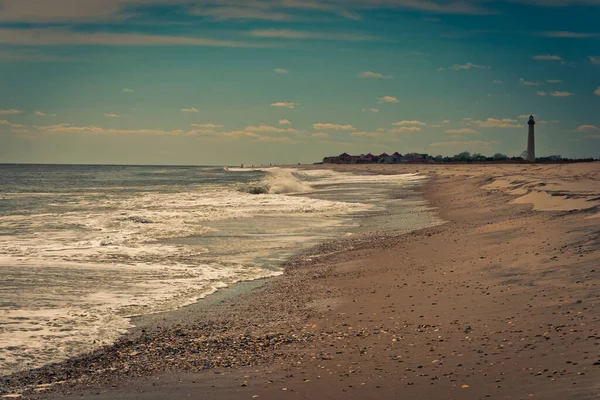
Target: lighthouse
[531, 140]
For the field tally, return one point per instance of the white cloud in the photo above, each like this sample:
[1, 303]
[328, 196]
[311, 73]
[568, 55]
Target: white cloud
[193, 109]
[446, 121]
[270, 129]
[594, 60]
[541, 93]
[111, 115]
[597, 91]
[247, 134]
[542, 121]
[333, 127]
[375, 110]
[568, 34]
[368, 134]
[10, 112]
[554, 81]
[320, 135]
[387, 99]
[467, 66]
[374, 75]
[526, 116]
[497, 123]
[10, 124]
[206, 126]
[43, 114]
[94, 130]
[404, 123]
[468, 144]
[281, 71]
[240, 13]
[462, 131]
[284, 122]
[299, 35]
[561, 94]
[405, 129]
[556, 121]
[65, 37]
[547, 57]
[529, 83]
[127, 90]
[285, 104]
[587, 128]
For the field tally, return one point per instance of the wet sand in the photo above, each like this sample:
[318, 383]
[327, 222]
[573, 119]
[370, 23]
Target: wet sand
[500, 302]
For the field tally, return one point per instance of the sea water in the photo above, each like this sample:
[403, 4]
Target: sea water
[82, 248]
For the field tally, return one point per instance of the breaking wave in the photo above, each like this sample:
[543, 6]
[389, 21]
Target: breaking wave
[278, 181]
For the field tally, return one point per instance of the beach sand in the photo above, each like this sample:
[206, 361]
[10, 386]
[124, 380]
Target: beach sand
[500, 302]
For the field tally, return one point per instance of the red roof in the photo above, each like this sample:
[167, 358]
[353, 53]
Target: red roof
[344, 155]
[370, 155]
[397, 154]
[383, 155]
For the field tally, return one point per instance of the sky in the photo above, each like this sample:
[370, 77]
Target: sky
[226, 82]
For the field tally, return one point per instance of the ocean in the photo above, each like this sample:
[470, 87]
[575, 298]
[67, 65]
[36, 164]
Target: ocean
[83, 248]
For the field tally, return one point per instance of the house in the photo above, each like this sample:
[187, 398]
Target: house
[345, 158]
[331, 160]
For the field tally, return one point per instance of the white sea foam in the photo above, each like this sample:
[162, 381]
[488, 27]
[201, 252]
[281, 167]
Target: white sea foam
[76, 268]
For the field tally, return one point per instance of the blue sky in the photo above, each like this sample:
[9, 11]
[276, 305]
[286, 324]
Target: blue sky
[212, 82]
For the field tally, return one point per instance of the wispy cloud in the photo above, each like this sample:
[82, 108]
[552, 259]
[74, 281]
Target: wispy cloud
[269, 129]
[594, 60]
[192, 109]
[300, 35]
[568, 34]
[240, 13]
[405, 122]
[320, 135]
[65, 37]
[281, 71]
[284, 122]
[94, 130]
[373, 110]
[496, 81]
[11, 111]
[561, 94]
[369, 134]
[554, 81]
[597, 91]
[462, 131]
[587, 128]
[405, 129]
[111, 115]
[206, 126]
[496, 123]
[373, 75]
[541, 93]
[547, 57]
[468, 66]
[285, 104]
[387, 99]
[10, 124]
[43, 114]
[127, 90]
[466, 145]
[333, 127]
[524, 82]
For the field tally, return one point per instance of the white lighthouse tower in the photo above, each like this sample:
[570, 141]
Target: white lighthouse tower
[531, 140]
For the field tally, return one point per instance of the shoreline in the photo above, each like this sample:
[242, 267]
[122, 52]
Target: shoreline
[428, 314]
[145, 325]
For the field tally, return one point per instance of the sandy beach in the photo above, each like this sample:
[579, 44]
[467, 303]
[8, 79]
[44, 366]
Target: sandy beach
[502, 301]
